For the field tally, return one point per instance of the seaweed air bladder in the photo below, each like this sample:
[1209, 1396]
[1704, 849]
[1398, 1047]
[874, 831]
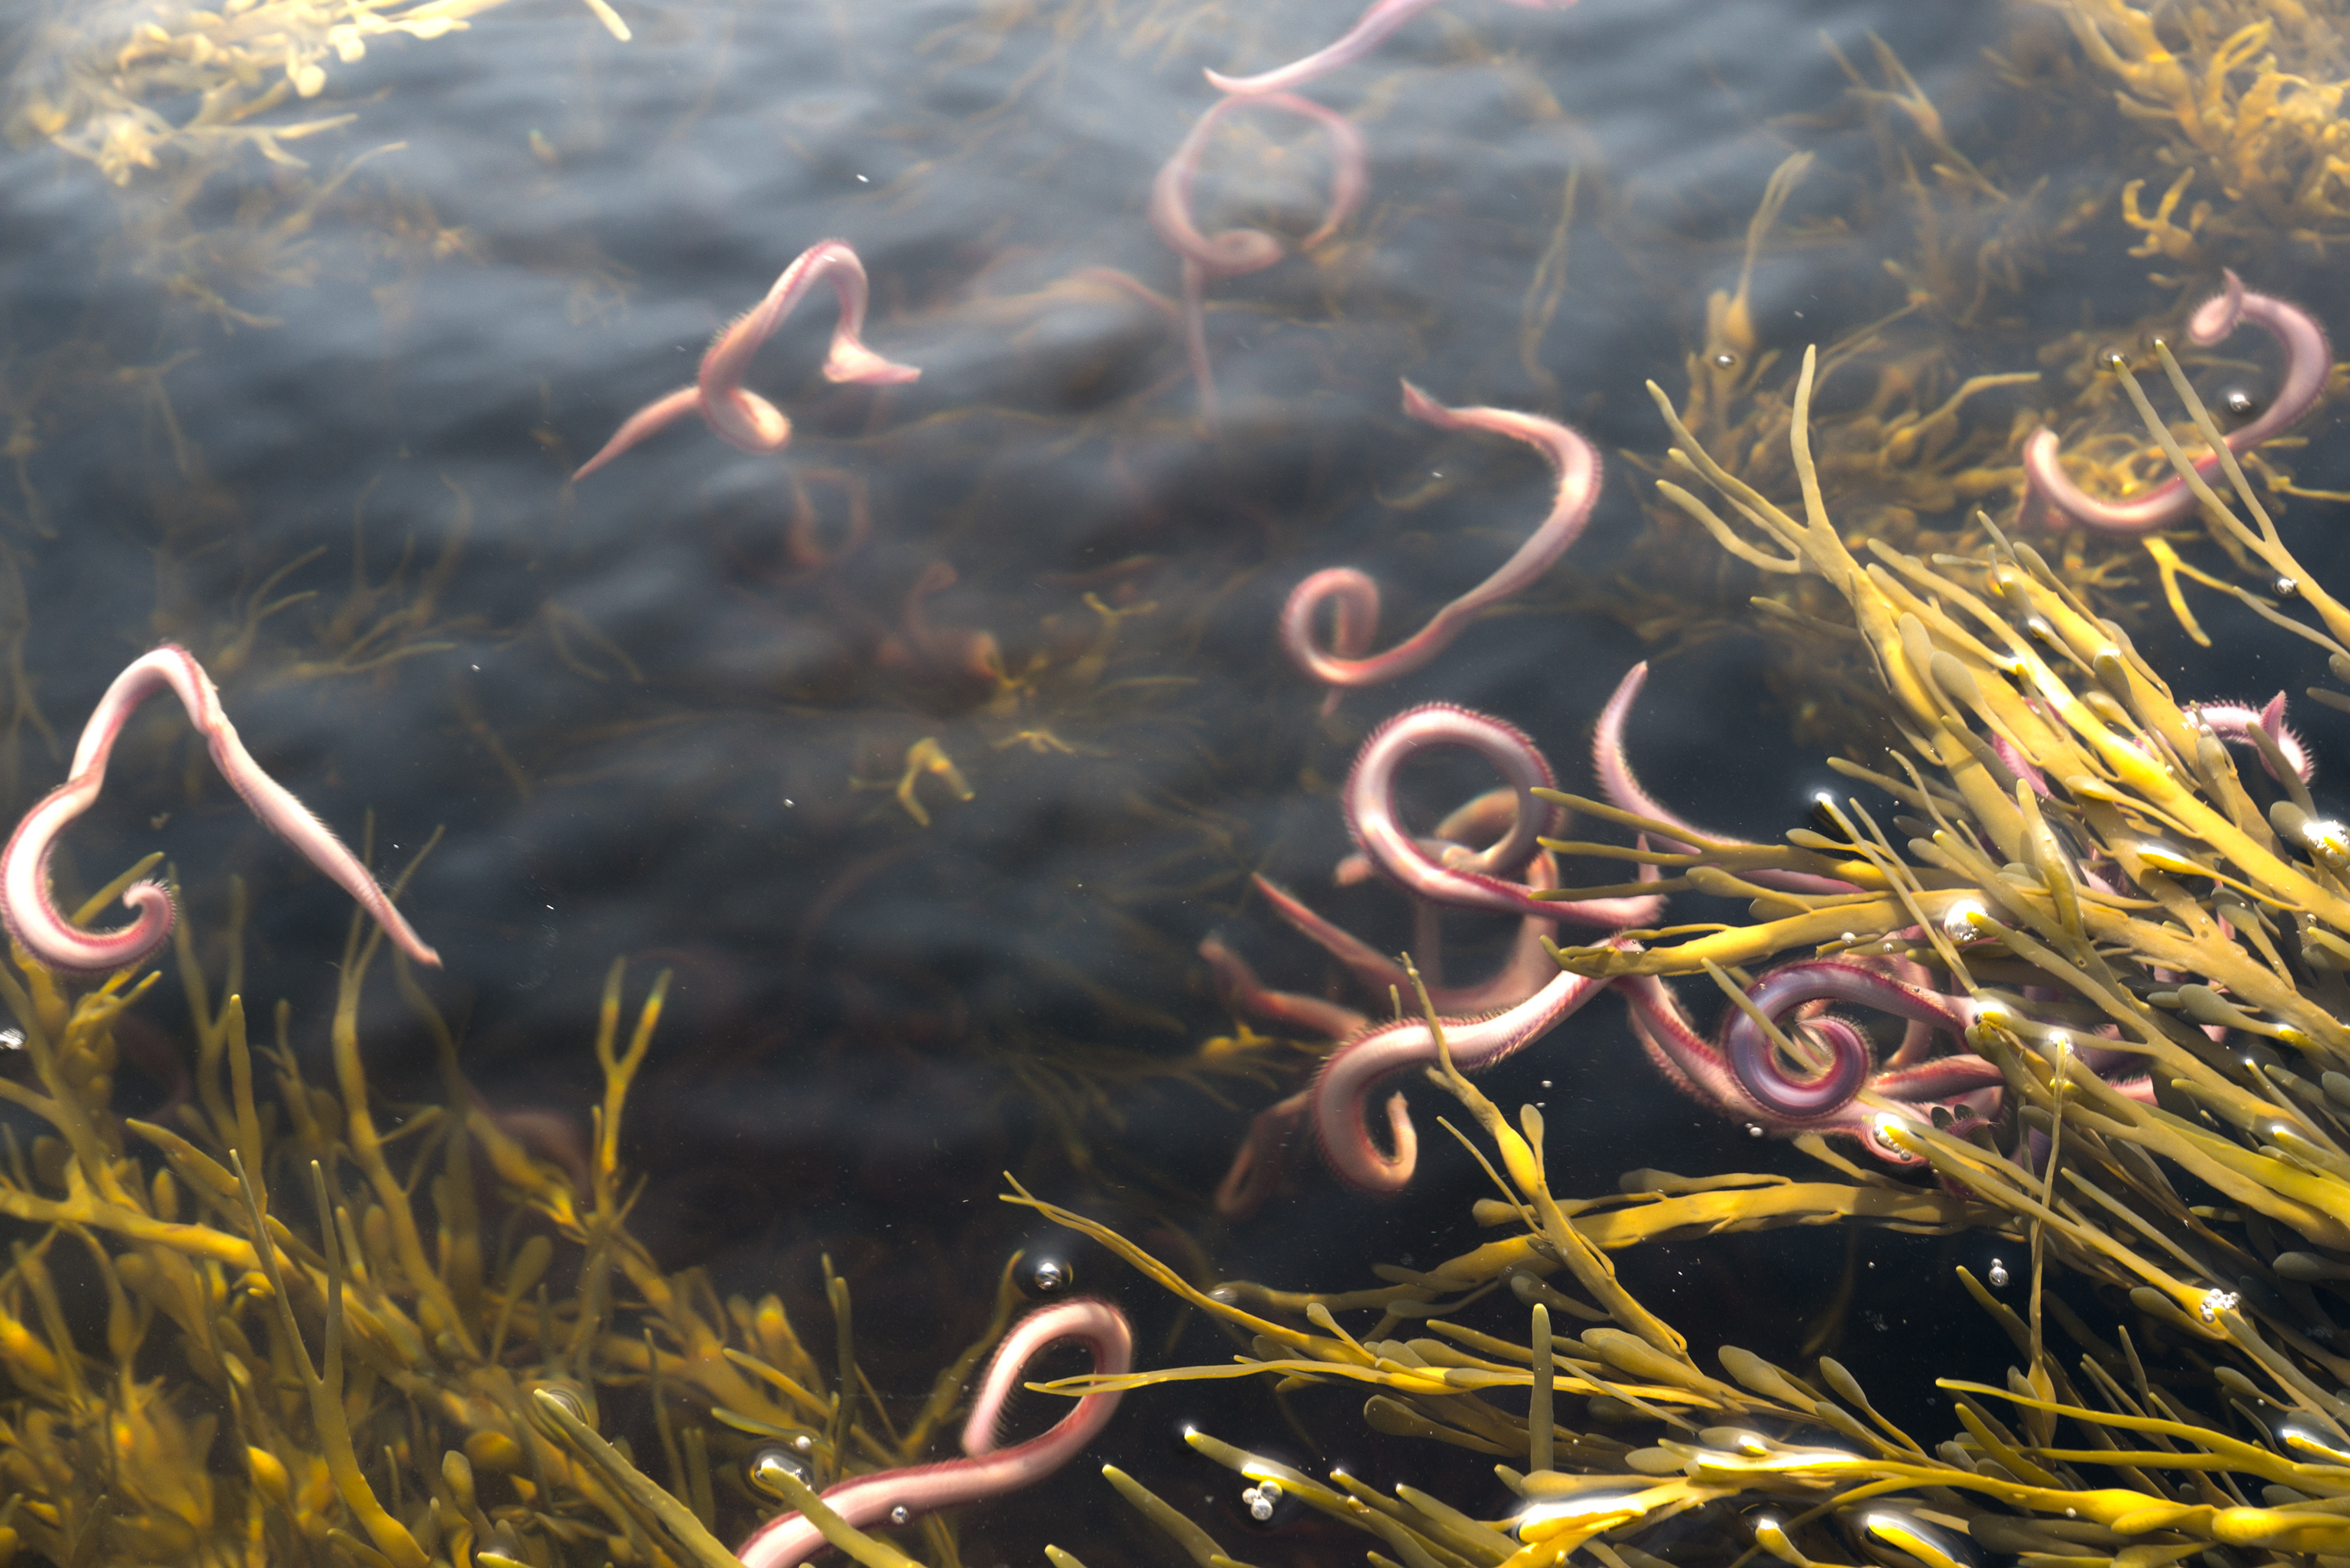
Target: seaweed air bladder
[741, 416]
[34, 919]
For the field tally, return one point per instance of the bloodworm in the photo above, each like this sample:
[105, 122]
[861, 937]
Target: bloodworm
[1377, 23]
[1239, 989]
[988, 1471]
[1782, 991]
[1694, 1066]
[1261, 1161]
[1524, 972]
[1466, 883]
[1355, 597]
[742, 418]
[2308, 361]
[24, 905]
[2235, 721]
[1236, 252]
[1962, 1085]
[1342, 1089]
[1609, 760]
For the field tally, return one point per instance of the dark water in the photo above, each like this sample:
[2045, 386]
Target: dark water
[644, 732]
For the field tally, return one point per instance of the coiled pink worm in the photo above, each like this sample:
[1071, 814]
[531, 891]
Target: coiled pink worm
[1965, 1083]
[1341, 1091]
[1465, 881]
[25, 904]
[1614, 766]
[1236, 252]
[1782, 991]
[988, 1471]
[2235, 721]
[743, 418]
[2308, 361]
[1377, 23]
[1355, 597]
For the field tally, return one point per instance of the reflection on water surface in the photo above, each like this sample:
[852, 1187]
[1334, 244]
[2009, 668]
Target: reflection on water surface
[923, 751]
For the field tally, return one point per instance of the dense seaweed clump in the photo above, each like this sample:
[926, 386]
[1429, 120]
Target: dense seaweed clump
[2142, 967]
[1965, 249]
[279, 1321]
[414, 1367]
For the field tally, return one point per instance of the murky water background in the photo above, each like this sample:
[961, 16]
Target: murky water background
[645, 731]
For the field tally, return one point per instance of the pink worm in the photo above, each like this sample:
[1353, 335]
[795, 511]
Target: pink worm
[1779, 993]
[1355, 597]
[1238, 988]
[1609, 760]
[2236, 720]
[1522, 974]
[988, 1471]
[1262, 1158]
[743, 418]
[1342, 1089]
[1525, 969]
[24, 905]
[1377, 23]
[1466, 882]
[2308, 361]
[1236, 252]
[1690, 1063]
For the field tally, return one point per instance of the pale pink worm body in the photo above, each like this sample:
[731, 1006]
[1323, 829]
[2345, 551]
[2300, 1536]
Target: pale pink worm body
[1355, 597]
[1238, 988]
[1966, 1085]
[1741, 1078]
[2308, 361]
[987, 1470]
[25, 904]
[1614, 767]
[2019, 765]
[1262, 1162]
[1342, 1090]
[2235, 721]
[1234, 252]
[741, 416]
[1377, 23]
[1782, 991]
[1524, 972]
[1466, 882]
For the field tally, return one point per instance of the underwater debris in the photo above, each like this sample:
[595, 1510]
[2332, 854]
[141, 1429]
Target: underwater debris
[925, 758]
